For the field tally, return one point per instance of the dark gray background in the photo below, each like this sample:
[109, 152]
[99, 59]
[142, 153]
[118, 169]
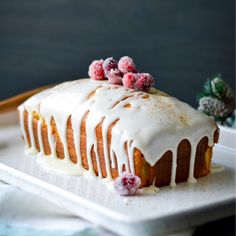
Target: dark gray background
[180, 42]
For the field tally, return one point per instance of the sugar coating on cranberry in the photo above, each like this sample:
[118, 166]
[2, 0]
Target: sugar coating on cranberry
[96, 71]
[144, 82]
[129, 80]
[115, 76]
[126, 64]
[109, 64]
[127, 184]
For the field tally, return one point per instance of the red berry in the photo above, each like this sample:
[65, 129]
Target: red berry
[109, 64]
[129, 80]
[126, 64]
[96, 71]
[127, 184]
[144, 82]
[114, 76]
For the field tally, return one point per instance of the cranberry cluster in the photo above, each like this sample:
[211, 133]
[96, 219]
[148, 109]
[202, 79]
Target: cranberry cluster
[123, 72]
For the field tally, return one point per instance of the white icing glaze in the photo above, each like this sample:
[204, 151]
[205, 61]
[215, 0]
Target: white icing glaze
[22, 120]
[174, 167]
[216, 168]
[32, 149]
[153, 125]
[39, 130]
[152, 189]
[191, 178]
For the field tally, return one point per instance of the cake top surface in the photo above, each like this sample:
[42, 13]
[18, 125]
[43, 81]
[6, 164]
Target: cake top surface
[153, 122]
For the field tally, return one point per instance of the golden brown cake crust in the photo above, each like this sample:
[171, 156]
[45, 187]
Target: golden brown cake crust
[159, 174]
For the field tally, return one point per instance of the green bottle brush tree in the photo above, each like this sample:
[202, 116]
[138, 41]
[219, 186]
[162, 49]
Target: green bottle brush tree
[218, 100]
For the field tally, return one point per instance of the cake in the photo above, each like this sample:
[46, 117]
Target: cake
[92, 126]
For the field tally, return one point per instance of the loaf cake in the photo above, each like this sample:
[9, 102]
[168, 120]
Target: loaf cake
[89, 126]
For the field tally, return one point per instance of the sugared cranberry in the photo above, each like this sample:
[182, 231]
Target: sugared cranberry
[127, 184]
[129, 80]
[144, 82]
[115, 76]
[96, 71]
[126, 64]
[110, 64]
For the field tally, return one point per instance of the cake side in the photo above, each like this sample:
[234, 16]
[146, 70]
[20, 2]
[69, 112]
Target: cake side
[124, 130]
[159, 174]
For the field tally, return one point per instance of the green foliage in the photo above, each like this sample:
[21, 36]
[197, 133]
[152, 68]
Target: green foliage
[200, 95]
[216, 98]
[207, 90]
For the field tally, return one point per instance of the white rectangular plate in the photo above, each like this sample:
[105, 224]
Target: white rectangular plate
[187, 205]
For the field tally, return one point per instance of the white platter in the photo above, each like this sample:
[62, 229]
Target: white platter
[185, 206]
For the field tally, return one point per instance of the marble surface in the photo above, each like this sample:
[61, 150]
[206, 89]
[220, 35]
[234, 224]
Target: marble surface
[19, 218]
[25, 214]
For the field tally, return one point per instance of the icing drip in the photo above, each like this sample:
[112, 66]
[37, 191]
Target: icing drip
[51, 139]
[150, 190]
[31, 134]
[97, 160]
[22, 120]
[76, 125]
[153, 123]
[64, 139]
[174, 167]
[90, 141]
[105, 126]
[39, 130]
[191, 178]
[215, 168]
[130, 156]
